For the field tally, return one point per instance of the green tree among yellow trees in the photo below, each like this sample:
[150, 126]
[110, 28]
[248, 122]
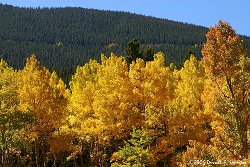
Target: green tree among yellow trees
[135, 153]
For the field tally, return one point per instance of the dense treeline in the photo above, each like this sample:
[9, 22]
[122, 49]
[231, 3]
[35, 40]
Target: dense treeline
[77, 34]
[144, 113]
[63, 38]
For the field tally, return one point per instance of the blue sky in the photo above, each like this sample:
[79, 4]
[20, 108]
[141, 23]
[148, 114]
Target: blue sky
[199, 12]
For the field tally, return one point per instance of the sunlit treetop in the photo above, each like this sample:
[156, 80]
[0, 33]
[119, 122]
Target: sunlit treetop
[223, 50]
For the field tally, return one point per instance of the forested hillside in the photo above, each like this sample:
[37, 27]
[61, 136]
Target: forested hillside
[138, 114]
[65, 37]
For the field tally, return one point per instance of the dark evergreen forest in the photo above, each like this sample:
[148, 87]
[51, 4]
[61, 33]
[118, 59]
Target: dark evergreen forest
[63, 38]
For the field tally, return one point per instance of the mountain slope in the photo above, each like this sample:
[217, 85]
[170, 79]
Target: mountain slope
[65, 37]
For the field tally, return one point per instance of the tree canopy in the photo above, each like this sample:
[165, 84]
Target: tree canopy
[143, 113]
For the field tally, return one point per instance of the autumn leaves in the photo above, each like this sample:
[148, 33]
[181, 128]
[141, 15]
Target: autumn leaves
[200, 111]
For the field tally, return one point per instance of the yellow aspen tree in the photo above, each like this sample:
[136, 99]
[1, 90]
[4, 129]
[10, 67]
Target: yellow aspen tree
[102, 106]
[190, 122]
[12, 119]
[227, 68]
[153, 89]
[43, 94]
[185, 119]
[82, 121]
[83, 87]
[137, 77]
[200, 154]
[114, 104]
[188, 105]
[158, 89]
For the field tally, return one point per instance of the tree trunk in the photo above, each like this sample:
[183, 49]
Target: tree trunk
[85, 157]
[3, 158]
[37, 154]
[54, 161]
[44, 160]
[109, 152]
[243, 141]
[75, 163]
[242, 130]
